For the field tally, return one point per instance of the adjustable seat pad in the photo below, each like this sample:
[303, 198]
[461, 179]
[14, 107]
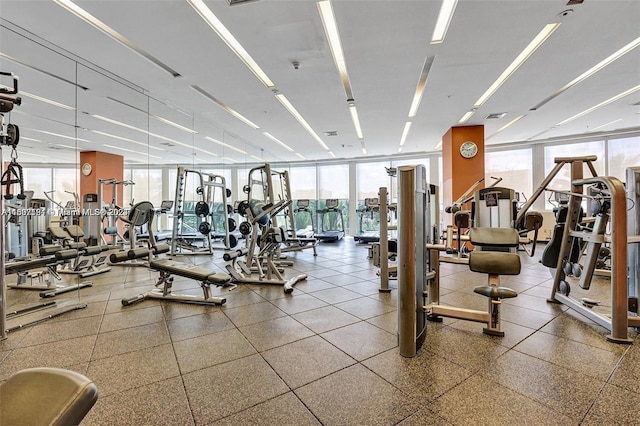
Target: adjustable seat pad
[494, 237]
[495, 263]
[194, 272]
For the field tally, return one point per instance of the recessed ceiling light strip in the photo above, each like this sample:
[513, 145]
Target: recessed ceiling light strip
[129, 150]
[226, 107]
[356, 121]
[278, 141]
[98, 24]
[537, 41]
[126, 139]
[600, 105]
[467, 115]
[422, 82]
[293, 111]
[447, 8]
[157, 117]
[17, 61]
[226, 36]
[515, 120]
[588, 73]
[333, 36]
[606, 124]
[45, 100]
[405, 133]
[225, 145]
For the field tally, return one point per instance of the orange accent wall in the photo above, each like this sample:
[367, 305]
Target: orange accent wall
[104, 166]
[460, 173]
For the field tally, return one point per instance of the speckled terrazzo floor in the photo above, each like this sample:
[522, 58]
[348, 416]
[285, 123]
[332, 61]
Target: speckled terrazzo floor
[327, 353]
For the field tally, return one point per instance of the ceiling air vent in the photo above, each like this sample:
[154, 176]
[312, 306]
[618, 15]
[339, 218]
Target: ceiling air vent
[495, 115]
[234, 2]
[331, 133]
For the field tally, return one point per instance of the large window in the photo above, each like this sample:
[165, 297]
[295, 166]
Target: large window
[148, 186]
[303, 182]
[370, 178]
[65, 184]
[514, 167]
[623, 153]
[38, 181]
[562, 180]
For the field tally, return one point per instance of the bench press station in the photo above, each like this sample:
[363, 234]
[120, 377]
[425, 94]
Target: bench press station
[167, 268]
[50, 257]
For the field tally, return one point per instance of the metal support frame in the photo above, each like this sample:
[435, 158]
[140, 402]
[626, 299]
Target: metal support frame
[619, 321]
[209, 184]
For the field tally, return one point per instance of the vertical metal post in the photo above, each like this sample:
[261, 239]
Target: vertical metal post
[384, 242]
[3, 287]
[412, 257]
[633, 228]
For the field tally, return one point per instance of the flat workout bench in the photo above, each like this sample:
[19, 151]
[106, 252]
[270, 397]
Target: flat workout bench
[167, 268]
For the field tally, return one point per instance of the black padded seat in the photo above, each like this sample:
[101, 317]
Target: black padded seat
[67, 254]
[494, 292]
[494, 263]
[194, 272]
[46, 396]
[26, 265]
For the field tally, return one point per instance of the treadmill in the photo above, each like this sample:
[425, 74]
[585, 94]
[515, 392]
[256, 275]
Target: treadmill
[331, 227]
[369, 217]
[302, 208]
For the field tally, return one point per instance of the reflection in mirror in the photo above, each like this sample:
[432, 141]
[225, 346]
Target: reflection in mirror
[39, 200]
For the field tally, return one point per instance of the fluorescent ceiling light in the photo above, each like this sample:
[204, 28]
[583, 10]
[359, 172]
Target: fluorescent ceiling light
[126, 139]
[293, 111]
[301, 156]
[518, 118]
[439, 145]
[226, 36]
[226, 107]
[34, 155]
[537, 41]
[50, 74]
[48, 101]
[422, 81]
[60, 136]
[96, 23]
[606, 124]
[64, 146]
[447, 8]
[278, 141]
[24, 138]
[356, 121]
[466, 116]
[129, 150]
[137, 129]
[226, 145]
[231, 160]
[405, 132]
[333, 37]
[588, 73]
[601, 104]
[171, 123]
[364, 150]
[257, 158]
[332, 154]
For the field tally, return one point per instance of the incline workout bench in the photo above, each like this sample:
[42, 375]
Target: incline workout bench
[167, 268]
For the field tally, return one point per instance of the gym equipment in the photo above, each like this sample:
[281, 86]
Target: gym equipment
[9, 98]
[46, 396]
[331, 227]
[413, 259]
[198, 225]
[168, 268]
[271, 187]
[618, 321]
[15, 219]
[371, 209]
[111, 212]
[302, 210]
[489, 257]
[633, 228]
[50, 258]
[82, 260]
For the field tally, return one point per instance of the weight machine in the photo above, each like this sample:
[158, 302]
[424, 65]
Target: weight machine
[196, 226]
[111, 212]
[10, 136]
